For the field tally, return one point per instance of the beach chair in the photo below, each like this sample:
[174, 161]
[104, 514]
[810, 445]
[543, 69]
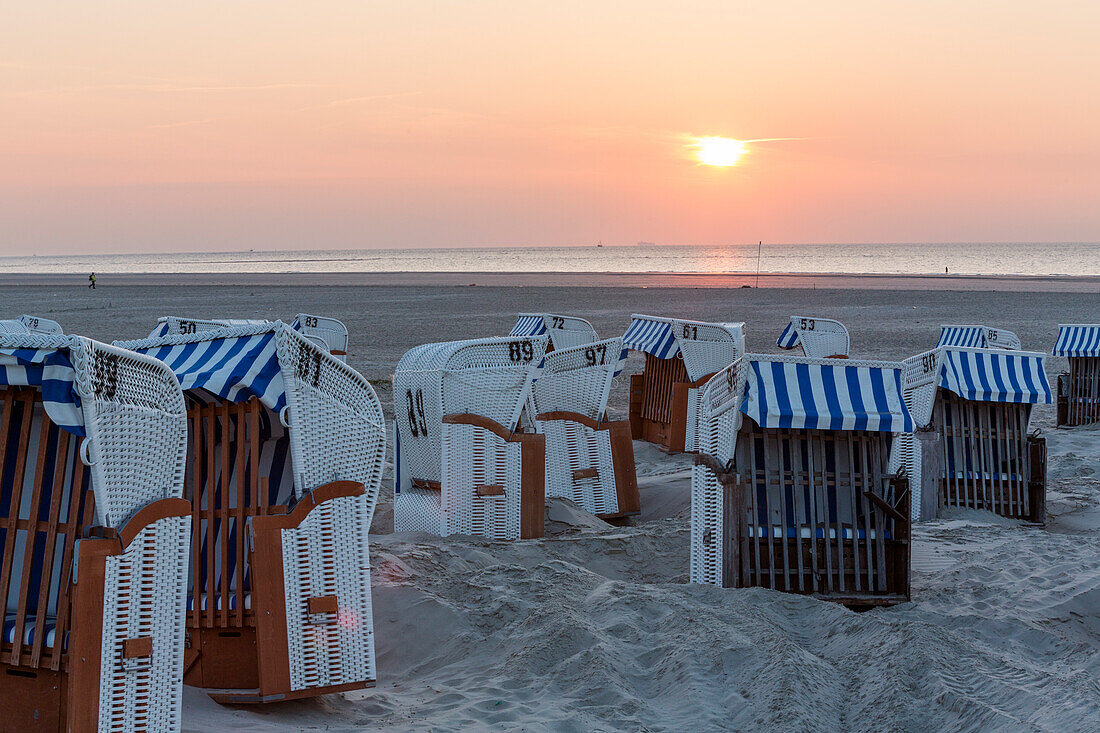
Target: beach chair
[589, 460]
[284, 463]
[1079, 388]
[680, 356]
[562, 331]
[466, 458]
[978, 337]
[37, 324]
[328, 333]
[820, 338]
[971, 446]
[93, 537]
[791, 488]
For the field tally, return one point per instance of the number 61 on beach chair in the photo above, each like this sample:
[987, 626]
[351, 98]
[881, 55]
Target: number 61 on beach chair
[466, 458]
[93, 537]
[283, 468]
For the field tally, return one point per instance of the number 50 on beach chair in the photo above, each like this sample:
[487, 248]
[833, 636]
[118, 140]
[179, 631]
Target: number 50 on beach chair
[283, 469]
[93, 537]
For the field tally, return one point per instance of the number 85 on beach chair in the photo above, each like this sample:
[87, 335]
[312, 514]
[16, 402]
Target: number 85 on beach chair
[284, 464]
[93, 537]
[466, 459]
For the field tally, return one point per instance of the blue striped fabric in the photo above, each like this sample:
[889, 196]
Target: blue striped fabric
[789, 338]
[965, 336]
[995, 376]
[235, 368]
[652, 337]
[782, 394]
[529, 325]
[1078, 340]
[51, 370]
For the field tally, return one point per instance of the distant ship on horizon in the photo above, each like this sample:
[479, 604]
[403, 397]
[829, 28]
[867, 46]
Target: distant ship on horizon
[646, 244]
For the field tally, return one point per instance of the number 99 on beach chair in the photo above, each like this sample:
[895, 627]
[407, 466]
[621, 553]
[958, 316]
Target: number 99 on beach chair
[93, 537]
[283, 468]
[680, 356]
[466, 459]
[791, 488]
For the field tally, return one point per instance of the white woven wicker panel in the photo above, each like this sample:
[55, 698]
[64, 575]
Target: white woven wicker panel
[571, 447]
[716, 430]
[327, 555]
[144, 596]
[418, 510]
[708, 347]
[568, 331]
[577, 379]
[337, 431]
[821, 337]
[331, 331]
[137, 427]
[473, 457]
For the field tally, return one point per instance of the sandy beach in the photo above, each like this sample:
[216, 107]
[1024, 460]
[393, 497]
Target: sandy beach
[594, 627]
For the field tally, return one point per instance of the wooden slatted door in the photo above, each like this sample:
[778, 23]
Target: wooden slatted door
[224, 471]
[1084, 390]
[807, 524]
[986, 458]
[40, 518]
[660, 375]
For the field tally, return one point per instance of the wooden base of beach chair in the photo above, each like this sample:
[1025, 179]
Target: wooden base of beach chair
[245, 657]
[33, 699]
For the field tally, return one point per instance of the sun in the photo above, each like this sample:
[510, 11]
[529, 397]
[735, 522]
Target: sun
[721, 152]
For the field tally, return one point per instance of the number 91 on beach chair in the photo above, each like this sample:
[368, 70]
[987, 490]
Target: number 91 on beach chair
[93, 536]
[791, 489]
[466, 458]
[283, 468]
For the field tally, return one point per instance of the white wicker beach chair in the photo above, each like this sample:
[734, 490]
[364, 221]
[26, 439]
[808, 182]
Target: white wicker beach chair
[819, 337]
[589, 460]
[1079, 388]
[791, 488]
[562, 331]
[328, 333]
[978, 337]
[37, 324]
[462, 461]
[93, 537]
[971, 447]
[287, 445]
[680, 356]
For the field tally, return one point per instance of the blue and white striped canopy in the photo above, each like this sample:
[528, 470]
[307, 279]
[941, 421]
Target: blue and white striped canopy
[651, 336]
[824, 396]
[1078, 339]
[995, 376]
[235, 368]
[528, 325]
[52, 371]
[789, 338]
[965, 336]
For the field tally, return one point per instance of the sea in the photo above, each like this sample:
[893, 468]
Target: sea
[1021, 258]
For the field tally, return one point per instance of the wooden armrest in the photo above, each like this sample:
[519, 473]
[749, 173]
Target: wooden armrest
[152, 513]
[301, 510]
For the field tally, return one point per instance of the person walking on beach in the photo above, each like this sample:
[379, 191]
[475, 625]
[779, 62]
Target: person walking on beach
[91, 281]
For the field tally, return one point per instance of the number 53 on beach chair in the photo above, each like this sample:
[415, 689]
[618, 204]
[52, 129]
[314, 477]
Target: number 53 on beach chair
[283, 468]
[93, 536]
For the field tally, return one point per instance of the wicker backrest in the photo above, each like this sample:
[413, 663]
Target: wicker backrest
[720, 404]
[577, 379]
[490, 377]
[337, 431]
[331, 332]
[38, 324]
[568, 331]
[821, 337]
[708, 347]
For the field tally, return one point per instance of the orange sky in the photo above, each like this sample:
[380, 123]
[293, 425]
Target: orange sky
[138, 126]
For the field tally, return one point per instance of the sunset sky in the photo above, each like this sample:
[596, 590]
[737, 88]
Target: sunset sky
[145, 126]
